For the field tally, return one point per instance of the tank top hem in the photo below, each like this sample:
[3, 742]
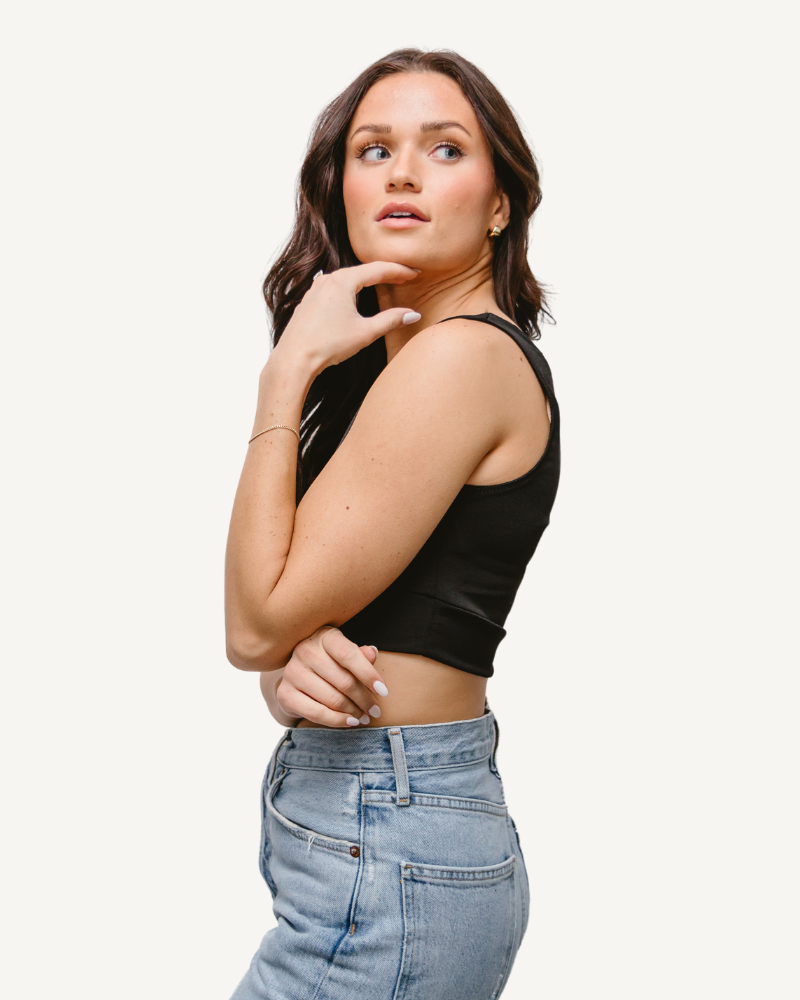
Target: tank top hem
[411, 622]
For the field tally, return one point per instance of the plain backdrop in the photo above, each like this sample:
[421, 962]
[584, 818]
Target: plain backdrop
[647, 691]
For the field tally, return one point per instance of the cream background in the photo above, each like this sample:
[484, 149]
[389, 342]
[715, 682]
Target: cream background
[647, 692]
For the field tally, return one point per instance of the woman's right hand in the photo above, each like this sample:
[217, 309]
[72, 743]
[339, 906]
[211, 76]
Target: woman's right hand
[330, 679]
[326, 326]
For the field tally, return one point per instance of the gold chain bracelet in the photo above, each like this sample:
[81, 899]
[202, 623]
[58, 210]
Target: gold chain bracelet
[273, 428]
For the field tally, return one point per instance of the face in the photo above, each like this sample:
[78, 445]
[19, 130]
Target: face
[415, 146]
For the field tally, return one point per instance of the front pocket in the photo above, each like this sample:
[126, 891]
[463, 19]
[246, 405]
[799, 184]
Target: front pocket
[266, 845]
[459, 931]
[312, 875]
[311, 837]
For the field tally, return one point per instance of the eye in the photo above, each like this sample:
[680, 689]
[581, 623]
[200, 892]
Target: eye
[363, 153]
[451, 151]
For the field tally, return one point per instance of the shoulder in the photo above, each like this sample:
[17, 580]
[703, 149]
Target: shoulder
[445, 375]
[461, 355]
[457, 335]
[467, 358]
[440, 395]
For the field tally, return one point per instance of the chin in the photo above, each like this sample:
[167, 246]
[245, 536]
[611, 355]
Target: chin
[398, 251]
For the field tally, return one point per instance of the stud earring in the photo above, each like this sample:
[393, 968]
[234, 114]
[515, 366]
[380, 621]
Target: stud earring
[495, 232]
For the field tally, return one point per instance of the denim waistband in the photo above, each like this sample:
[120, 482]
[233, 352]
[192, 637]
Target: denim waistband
[377, 748]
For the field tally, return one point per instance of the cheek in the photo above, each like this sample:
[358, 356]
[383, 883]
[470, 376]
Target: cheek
[466, 195]
[355, 194]
[357, 205]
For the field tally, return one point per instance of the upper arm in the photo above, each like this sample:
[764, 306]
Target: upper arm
[426, 423]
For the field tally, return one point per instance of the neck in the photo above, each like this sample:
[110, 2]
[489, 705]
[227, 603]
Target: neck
[436, 298]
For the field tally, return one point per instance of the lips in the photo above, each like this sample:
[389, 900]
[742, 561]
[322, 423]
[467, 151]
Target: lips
[402, 210]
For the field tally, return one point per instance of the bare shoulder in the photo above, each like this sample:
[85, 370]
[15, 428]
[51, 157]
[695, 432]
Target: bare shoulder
[474, 356]
[499, 391]
[436, 393]
[457, 335]
[461, 355]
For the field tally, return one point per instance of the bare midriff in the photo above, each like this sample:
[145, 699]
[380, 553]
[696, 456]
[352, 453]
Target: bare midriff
[422, 691]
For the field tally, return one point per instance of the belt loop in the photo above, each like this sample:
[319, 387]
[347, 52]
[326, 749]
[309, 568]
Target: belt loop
[487, 708]
[400, 769]
[496, 742]
[273, 763]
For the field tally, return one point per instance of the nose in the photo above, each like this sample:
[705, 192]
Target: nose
[403, 175]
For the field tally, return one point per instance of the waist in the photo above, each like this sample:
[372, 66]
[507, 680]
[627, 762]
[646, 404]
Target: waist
[429, 745]
[422, 691]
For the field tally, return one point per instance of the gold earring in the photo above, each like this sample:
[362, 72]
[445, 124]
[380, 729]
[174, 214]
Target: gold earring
[495, 232]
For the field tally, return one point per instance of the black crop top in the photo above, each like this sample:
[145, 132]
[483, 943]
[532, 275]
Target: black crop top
[451, 602]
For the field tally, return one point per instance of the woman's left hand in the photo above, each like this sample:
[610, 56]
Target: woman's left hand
[330, 680]
[327, 328]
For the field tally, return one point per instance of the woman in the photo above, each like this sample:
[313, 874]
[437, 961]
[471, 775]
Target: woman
[371, 568]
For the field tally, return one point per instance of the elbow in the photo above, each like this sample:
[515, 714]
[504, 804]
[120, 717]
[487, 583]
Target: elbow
[248, 651]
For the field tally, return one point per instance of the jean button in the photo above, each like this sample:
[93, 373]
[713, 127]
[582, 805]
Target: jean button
[355, 851]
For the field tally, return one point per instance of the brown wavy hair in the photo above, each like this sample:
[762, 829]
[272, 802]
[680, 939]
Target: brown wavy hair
[320, 240]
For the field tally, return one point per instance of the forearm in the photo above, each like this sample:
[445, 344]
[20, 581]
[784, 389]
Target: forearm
[262, 521]
[269, 689]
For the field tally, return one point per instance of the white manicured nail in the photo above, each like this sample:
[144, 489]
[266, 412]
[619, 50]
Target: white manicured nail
[365, 719]
[411, 317]
[381, 688]
[375, 648]
[375, 712]
[351, 721]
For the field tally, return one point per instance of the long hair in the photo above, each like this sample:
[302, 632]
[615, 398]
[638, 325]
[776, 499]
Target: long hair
[320, 241]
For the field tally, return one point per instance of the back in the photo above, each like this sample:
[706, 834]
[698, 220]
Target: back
[451, 602]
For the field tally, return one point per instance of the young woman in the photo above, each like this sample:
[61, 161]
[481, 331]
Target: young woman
[403, 465]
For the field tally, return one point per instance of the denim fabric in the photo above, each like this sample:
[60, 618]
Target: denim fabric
[394, 866]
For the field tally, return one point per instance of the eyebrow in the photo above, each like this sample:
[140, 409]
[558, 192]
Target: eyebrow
[424, 127]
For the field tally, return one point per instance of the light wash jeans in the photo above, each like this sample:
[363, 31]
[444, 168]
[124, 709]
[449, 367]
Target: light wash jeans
[394, 866]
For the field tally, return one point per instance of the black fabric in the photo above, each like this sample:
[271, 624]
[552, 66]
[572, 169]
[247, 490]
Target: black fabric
[451, 602]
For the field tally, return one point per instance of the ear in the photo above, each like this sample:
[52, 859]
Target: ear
[502, 210]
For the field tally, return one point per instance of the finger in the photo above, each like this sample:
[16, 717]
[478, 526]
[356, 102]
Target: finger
[391, 319]
[379, 272]
[342, 680]
[346, 693]
[302, 706]
[350, 656]
[326, 693]
[312, 655]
